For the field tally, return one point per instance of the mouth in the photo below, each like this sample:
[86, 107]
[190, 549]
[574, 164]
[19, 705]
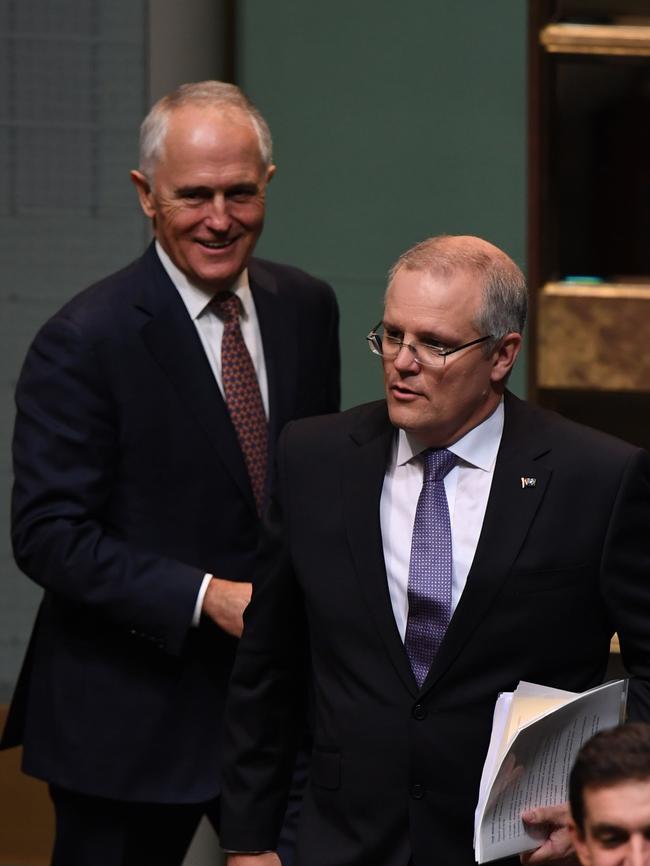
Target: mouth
[400, 392]
[216, 245]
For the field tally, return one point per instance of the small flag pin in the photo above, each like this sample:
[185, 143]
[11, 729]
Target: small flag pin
[528, 482]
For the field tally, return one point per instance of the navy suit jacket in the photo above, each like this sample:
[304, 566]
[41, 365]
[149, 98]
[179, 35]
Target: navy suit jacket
[395, 769]
[129, 486]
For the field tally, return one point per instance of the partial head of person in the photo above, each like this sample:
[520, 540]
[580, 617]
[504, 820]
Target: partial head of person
[454, 313]
[205, 162]
[609, 793]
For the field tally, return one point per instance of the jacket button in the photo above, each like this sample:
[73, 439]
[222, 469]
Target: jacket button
[419, 712]
[417, 791]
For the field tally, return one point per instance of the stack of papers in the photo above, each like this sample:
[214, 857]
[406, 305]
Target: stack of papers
[536, 734]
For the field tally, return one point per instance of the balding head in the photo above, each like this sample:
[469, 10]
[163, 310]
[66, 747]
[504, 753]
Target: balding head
[504, 293]
[225, 98]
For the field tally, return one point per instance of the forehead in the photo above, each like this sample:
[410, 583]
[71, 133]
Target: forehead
[625, 805]
[421, 297]
[198, 134]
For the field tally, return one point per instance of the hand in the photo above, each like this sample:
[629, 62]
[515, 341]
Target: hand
[268, 859]
[552, 824]
[225, 602]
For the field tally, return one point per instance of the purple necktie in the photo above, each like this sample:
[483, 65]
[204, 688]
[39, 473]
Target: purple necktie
[429, 586]
[242, 393]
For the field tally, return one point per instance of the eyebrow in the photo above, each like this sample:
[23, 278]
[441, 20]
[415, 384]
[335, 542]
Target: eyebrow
[186, 190]
[422, 336]
[207, 191]
[243, 185]
[608, 828]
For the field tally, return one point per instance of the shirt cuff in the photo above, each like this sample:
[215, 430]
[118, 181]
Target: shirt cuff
[198, 607]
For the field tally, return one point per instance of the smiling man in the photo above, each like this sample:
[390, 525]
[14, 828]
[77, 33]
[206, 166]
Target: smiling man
[609, 790]
[423, 554]
[148, 412]
[206, 196]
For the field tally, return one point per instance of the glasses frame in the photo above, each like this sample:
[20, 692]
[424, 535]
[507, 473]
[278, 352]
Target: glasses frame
[374, 341]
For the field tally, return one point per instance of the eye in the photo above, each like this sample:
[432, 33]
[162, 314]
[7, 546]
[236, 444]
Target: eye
[435, 345]
[194, 193]
[612, 838]
[392, 334]
[242, 194]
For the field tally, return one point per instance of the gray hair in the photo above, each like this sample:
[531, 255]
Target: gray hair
[505, 295]
[217, 94]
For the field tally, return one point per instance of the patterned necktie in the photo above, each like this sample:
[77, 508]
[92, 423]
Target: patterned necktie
[429, 584]
[242, 392]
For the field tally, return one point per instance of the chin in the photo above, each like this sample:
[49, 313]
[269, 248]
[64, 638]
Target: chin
[222, 277]
[401, 417]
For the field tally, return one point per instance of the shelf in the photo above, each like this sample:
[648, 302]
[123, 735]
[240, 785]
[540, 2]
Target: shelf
[594, 337]
[627, 40]
[640, 290]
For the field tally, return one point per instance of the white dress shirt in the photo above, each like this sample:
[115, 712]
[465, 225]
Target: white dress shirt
[467, 487]
[210, 329]
[210, 326]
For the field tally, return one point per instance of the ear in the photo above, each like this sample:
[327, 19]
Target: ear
[270, 172]
[505, 356]
[145, 193]
[579, 843]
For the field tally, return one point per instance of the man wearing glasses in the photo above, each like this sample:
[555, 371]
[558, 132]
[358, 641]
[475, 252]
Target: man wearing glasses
[424, 553]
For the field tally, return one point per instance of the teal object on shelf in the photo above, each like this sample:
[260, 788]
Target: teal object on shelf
[590, 280]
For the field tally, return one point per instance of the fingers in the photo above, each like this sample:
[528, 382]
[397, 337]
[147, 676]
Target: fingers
[225, 602]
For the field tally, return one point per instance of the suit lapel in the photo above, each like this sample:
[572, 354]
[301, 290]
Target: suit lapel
[511, 509]
[363, 478]
[171, 338]
[510, 512]
[278, 329]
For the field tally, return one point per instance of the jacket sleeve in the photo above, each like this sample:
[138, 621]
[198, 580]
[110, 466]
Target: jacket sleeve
[66, 457]
[625, 578]
[264, 718]
[331, 355]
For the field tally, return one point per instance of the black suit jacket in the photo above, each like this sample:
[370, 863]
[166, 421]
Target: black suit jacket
[395, 770]
[129, 486]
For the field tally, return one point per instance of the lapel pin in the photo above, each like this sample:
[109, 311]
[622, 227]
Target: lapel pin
[528, 482]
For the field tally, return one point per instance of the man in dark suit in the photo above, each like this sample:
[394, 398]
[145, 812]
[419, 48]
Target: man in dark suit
[408, 600]
[148, 412]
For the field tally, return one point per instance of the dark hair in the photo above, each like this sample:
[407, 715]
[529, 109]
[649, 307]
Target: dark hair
[609, 758]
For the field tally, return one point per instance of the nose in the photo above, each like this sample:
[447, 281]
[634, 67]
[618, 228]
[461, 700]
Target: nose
[218, 218]
[405, 359]
[638, 851]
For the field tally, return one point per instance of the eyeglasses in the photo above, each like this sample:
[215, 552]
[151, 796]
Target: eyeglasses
[425, 354]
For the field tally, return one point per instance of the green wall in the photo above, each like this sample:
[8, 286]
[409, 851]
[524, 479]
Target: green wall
[392, 122]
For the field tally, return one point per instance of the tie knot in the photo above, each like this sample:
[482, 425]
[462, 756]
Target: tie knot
[227, 306]
[437, 463]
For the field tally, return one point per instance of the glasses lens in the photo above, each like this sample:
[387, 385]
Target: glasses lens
[389, 347]
[383, 345]
[429, 355]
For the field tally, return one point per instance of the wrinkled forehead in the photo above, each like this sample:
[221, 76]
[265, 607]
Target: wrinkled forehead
[210, 127]
[457, 292]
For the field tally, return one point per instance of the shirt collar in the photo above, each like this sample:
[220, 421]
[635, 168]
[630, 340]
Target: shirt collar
[196, 299]
[478, 447]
